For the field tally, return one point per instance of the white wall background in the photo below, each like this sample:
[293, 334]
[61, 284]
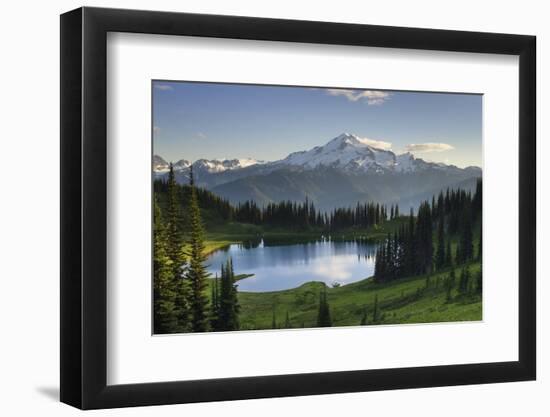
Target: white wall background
[29, 225]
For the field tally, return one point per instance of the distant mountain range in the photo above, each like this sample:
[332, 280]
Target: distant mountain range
[340, 173]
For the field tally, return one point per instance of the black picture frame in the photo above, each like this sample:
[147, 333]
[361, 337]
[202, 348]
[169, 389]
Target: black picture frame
[84, 207]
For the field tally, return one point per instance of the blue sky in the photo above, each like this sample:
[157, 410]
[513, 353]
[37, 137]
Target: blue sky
[209, 120]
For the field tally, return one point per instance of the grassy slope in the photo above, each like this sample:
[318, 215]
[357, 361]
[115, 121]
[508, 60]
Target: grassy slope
[403, 301]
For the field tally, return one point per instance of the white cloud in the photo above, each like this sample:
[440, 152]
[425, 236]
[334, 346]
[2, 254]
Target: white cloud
[163, 87]
[378, 144]
[372, 97]
[428, 147]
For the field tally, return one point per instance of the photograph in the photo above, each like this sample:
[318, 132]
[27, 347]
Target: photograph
[283, 207]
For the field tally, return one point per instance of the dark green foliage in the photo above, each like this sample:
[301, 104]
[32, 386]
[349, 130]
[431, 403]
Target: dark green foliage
[305, 215]
[440, 258]
[196, 274]
[214, 209]
[466, 238]
[191, 176]
[215, 303]
[480, 245]
[424, 239]
[174, 235]
[448, 254]
[174, 251]
[463, 283]
[228, 316]
[164, 317]
[477, 200]
[410, 251]
[479, 282]
[323, 316]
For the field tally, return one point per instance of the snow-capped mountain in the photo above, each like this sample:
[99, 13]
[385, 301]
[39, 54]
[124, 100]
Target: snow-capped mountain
[345, 170]
[347, 152]
[216, 166]
[207, 172]
[160, 166]
[351, 153]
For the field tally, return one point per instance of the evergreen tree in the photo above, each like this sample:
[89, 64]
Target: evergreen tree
[164, 318]
[480, 245]
[440, 254]
[410, 252]
[323, 316]
[174, 251]
[214, 303]
[479, 282]
[424, 238]
[196, 273]
[174, 235]
[464, 280]
[228, 299]
[449, 254]
[467, 246]
[477, 200]
[191, 176]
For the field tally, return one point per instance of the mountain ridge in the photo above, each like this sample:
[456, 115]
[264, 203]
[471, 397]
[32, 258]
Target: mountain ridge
[347, 166]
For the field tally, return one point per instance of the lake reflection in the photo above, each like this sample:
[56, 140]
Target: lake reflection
[289, 266]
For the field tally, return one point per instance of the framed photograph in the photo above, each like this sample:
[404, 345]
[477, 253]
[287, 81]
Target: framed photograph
[259, 208]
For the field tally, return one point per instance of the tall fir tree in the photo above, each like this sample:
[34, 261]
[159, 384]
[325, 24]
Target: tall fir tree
[480, 245]
[191, 176]
[173, 223]
[228, 299]
[463, 283]
[174, 250]
[196, 274]
[214, 303]
[165, 318]
[466, 238]
[449, 254]
[440, 254]
[424, 238]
